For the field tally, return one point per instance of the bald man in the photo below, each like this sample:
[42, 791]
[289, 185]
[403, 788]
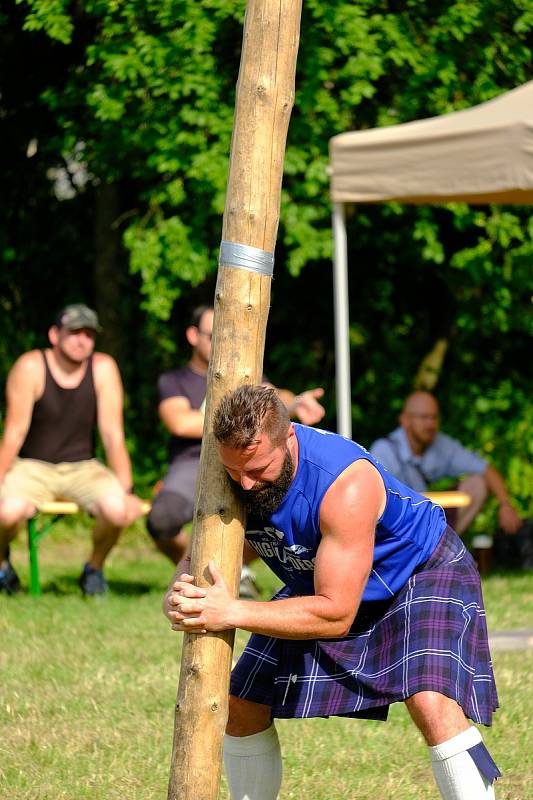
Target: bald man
[418, 454]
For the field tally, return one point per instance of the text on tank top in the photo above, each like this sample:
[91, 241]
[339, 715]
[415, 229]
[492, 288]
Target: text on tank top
[63, 421]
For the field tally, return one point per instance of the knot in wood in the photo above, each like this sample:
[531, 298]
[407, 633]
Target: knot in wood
[194, 669]
[214, 707]
[261, 90]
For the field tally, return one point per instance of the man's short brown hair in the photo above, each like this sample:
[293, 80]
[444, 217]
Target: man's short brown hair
[247, 413]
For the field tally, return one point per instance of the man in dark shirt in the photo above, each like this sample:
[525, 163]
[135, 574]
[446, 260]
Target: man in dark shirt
[56, 398]
[181, 409]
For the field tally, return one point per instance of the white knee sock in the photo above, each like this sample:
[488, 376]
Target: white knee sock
[455, 770]
[253, 765]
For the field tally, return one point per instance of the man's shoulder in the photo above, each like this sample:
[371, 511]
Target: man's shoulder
[180, 382]
[378, 444]
[107, 380]
[387, 442]
[103, 359]
[175, 373]
[444, 446]
[29, 364]
[452, 458]
[324, 449]
[104, 366]
[26, 378]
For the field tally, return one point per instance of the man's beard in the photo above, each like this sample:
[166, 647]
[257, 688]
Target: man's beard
[75, 361]
[267, 496]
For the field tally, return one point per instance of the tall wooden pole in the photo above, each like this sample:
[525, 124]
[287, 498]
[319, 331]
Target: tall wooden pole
[265, 96]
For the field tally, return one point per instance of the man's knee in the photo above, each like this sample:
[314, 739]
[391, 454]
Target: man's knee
[426, 703]
[246, 718]
[436, 716]
[169, 513]
[112, 508]
[13, 510]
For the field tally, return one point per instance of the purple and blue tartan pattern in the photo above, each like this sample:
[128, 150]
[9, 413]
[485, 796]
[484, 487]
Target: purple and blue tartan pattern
[432, 636]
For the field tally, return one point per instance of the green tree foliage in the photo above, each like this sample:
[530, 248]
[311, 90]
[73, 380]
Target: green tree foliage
[140, 94]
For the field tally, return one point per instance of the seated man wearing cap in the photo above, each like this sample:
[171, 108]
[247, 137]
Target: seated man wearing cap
[56, 398]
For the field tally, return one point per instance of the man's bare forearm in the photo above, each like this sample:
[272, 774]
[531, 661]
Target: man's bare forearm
[312, 617]
[9, 450]
[119, 462]
[496, 485]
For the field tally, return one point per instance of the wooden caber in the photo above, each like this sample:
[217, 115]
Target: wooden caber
[265, 96]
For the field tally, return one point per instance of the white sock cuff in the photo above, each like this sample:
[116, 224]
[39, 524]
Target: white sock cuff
[458, 744]
[255, 745]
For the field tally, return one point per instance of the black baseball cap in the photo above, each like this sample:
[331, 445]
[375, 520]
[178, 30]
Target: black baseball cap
[76, 316]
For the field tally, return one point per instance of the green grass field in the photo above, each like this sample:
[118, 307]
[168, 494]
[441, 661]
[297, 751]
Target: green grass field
[87, 692]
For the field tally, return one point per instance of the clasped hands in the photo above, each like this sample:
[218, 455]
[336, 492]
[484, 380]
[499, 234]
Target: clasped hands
[195, 609]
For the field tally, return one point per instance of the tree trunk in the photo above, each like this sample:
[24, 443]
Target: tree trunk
[265, 95]
[109, 278]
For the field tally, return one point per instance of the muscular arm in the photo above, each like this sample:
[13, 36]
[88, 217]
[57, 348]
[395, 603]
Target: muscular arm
[180, 419]
[348, 519]
[22, 388]
[110, 396]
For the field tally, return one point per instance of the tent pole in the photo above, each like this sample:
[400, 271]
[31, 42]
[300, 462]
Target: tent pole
[342, 321]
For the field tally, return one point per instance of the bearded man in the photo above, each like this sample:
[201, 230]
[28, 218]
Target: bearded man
[382, 603]
[418, 454]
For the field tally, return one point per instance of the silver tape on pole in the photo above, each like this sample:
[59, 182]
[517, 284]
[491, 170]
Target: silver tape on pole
[242, 256]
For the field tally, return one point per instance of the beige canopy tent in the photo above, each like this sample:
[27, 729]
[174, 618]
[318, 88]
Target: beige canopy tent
[483, 154]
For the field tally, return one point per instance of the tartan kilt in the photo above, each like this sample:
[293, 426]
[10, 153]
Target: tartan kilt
[432, 636]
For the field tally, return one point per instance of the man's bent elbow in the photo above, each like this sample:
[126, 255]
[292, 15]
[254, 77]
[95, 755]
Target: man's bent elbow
[340, 626]
[346, 626]
[338, 630]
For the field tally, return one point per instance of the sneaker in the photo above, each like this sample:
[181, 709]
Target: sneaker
[248, 588]
[9, 580]
[92, 581]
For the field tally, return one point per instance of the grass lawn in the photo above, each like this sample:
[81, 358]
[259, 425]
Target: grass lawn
[87, 692]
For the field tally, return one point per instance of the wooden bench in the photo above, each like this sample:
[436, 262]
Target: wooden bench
[56, 509]
[451, 499]
[62, 508]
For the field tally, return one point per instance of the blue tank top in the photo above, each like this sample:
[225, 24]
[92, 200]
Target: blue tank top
[407, 532]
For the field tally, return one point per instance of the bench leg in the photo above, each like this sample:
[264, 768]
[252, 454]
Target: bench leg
[33, 539]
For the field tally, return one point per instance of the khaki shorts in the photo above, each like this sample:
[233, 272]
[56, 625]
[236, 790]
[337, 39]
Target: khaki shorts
[82, 482]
